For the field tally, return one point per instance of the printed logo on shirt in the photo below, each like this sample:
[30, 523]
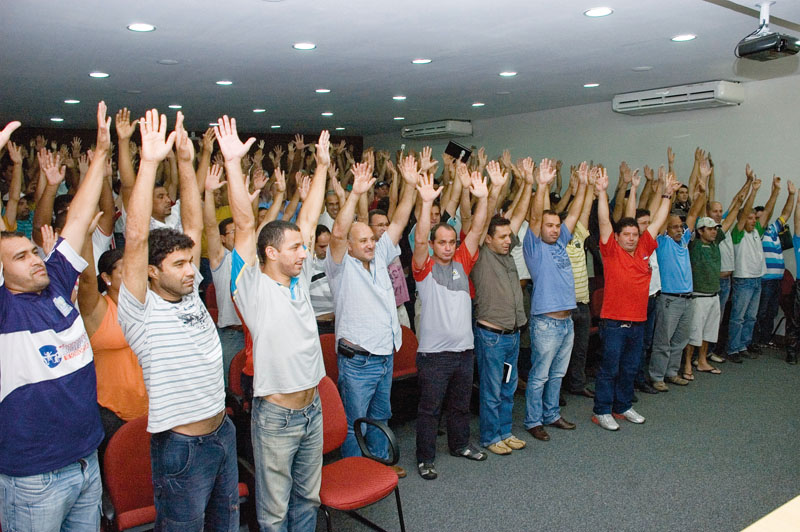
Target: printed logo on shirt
[62, 306]
[53, 356]
[456, 275]
[195, 320]
[50, 355]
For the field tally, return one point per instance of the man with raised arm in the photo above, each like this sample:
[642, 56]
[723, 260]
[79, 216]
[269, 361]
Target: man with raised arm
[552, 302]
[499, 316]
[626, 270]
[367, 327]
[192, 442]
[270, 281]
[444, 357]
[49, 473]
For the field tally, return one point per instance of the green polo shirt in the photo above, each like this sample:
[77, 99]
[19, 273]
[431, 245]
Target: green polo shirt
[706, 263]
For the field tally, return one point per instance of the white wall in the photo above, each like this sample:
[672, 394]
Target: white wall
[763, 131]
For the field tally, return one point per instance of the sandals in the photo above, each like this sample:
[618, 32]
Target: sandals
[471, 452]
[713, 371]
[687, 376]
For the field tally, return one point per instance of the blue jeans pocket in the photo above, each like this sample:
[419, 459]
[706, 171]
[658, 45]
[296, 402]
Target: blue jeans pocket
[358, 361]
[34, 484]
[176, 458]
[268, 417]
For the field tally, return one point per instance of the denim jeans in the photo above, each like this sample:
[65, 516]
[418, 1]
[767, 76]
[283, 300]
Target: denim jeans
[647, 341]
[287, 446]
[365, 384]
[673, 327]
[196, 480]
[768, 304]
[66, 500]
[724, 293]
[445, 379]
[493, 351]
[622, 348]
[576, 372]
[744, 309]
[551, 345]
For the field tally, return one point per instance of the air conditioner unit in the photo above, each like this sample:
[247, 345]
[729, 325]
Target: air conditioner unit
[682, 98]
[440, 129]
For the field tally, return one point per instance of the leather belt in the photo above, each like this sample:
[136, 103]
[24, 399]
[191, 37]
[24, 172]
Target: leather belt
[495, 329]
[682, 296]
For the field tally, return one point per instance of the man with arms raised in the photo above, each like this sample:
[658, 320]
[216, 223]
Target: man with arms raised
[276, 307]
[192, 443]
[49, 474]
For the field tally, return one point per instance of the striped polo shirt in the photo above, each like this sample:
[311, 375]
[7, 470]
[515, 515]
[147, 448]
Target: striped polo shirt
[181, 357]
[48, 389]
[320, 290]
[773, 252]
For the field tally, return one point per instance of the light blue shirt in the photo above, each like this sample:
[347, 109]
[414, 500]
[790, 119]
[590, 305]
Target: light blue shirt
[674, 264]
[365, 309]
[551, 273]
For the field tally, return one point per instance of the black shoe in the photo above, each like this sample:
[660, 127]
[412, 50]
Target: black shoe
[470, 452]
[646, 388]
[754, 348]
[791, 358]
[427, 470]
[735, 358]
[634, 399]
[749, 353]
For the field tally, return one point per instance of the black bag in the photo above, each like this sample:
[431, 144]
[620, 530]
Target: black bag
[786, 237]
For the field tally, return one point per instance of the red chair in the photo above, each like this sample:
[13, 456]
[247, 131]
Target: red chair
[235, 401]
[211, 302]
[405, 360]
[328, 342]
[127, 477]
[357, 481]
[595, 306]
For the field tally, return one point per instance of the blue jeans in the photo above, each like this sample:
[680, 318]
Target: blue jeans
[66, 500]
[744, 309]
[647, 342]
[196, 480]
[622, 348]
[287, 446]
[724, 293]
[551, 345]
[493, 351]
[365, 384]
[768, 305]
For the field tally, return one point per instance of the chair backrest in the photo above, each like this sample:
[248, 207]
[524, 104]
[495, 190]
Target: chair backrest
[328, 342]
[211, 302]
[596, 303]
[405, 360]
[126, 467]
[235, 373]
[334, 420]
[787, 283]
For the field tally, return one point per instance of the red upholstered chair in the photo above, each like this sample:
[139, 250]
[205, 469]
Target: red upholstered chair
[595, 306]
[234, 400]
[127, 477]
[358, 481]
[211, 302]
[405, 360]
[328, 342]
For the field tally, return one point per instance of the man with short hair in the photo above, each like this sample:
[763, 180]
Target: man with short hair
[552, 302]
[49, 473]
[192, 442]
[319, 288]
[499, 316]
[626, 271]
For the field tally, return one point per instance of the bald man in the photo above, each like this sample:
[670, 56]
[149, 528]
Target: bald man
[367, 328]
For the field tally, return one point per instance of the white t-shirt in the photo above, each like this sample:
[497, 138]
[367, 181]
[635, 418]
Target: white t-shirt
[173, 221]
[100, 244]
[222, 286]
[181, 357]
[516, 254]
[655, 274]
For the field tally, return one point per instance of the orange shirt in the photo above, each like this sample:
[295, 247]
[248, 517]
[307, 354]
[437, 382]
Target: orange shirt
[120, 384]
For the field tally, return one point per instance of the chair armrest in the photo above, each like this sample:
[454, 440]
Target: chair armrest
[394, 451]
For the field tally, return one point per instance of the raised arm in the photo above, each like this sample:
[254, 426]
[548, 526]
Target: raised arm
[733, 210]
[699, 204]
[765, 215]
[127, 177]
[204, 161]
[588, 197]
[84, 205]
[546, 175]
[521, 210]
[427, 195]
[155, 146]
[787, 208]
[630, 203]
[603, 217]
[91, 303]
[213, 239]
[649, 187]
[748, 204]
[577, 204]
[53, 171]
[660, 216]
[191, 205]
[5, 134]
[479, 190]
[277, 199]
[408, 169]
[312, 205]
[362, 181]
[106, 222]
[15, 187]
[625, 177]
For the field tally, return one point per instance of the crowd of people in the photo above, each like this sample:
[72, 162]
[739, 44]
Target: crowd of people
[106, 260]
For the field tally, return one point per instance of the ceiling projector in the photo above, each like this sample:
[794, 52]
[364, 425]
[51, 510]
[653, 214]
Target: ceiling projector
[766, 45]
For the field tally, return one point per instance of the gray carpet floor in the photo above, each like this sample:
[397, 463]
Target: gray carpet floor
[715, 455]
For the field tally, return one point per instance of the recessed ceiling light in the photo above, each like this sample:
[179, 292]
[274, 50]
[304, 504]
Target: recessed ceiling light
[275, 126]
[644, 68]
[212, 124]
[322, 91]
[339, 129]
[684, 37]
[304, 46]
[98, 75]
[398, 98]
[175, 106]
[259, 110]
[133, 91]
[598, 12]
[503, 93]
[327, 113]
[508, 74]
[72, 101]
[591, 85]
[399, 118]
[141, 27]
[56, 119]
[478, 104]
[421, 61]
[224, 82]
[167, 61]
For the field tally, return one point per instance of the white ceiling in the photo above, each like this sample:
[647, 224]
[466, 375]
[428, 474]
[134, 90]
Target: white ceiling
[364, 52]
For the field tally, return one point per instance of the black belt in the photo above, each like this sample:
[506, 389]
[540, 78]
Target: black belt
[496, 330]
[682, 296]
[696, 294]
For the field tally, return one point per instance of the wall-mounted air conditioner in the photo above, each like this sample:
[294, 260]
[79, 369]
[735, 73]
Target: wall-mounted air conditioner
[440, 129]
[681, 98]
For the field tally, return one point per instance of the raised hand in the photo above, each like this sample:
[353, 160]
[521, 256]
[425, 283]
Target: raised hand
[40, 140]
[662, 174]
[625, 172]
[790, 187]
[482, 157]
[583, 173]
[648, 173]
[427, 192]
[749, 172]
[462, 173]
[322, 153]
[183, 143]
[214, 179]
[478, 186]
[636, 179]
[208, 140]
[409, 170]
[52, 168]
[547, 172]
[49, 238]
[776, 182]
[338, 190]
[672, 184]
[76, 147]
[299, 142]
[670, 155]
[228, 139]
[498, 177]
[155, 142]
[362, 177]
[506, 159]
[600, 177]
[258, 156]
[527, 169]
[705, 168]
[756, 184]
[259, 178]
[123, 124]
[425, 162]
[303, 185]
[14, 153]
[280, 180]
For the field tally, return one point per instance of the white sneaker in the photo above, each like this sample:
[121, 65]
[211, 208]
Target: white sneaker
[631, 415]
[606, 421]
